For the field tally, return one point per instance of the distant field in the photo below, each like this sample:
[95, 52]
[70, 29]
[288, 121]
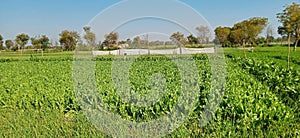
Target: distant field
[278, 54]
[28, 54]
[261, 98]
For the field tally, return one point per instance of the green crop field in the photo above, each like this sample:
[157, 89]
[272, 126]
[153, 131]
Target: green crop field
[261, 97]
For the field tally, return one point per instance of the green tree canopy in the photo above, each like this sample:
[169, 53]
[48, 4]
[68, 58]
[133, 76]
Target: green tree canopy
[69, 39]
[178, 38]
[9, 44]
[193, 40]
[1, 42]
[40, 42]
[237, 36]
[222, 34]
[136, 41]
[112, 38]
[249, 29]
[242, 33]
[290, 19]
[22, 40]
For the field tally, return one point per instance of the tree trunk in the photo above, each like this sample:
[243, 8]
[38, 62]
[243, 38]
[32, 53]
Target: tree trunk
[19, 51]
[289, 50]
[296, 44]
[245, 54]
[180, 50]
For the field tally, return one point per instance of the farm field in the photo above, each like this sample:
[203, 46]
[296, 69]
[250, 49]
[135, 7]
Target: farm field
[276, 54]
[261, 97]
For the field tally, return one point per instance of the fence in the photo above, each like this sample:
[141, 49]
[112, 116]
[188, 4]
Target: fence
[155, 52]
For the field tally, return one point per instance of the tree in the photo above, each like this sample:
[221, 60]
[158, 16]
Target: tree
[35, 43]
[122, 42]
[21, 41]
[99, 45]
[237, 36]
[136, 41]
[40, 42]
[242, 33]
[1, 42]
[44, 40]
[128, 41]
[269, 36]
[89, 36]
[69, 39]
[290, 19]
[255, 27]
[112, 39]
[9, 44]
[178, 38]
[261, 40]
[203, 34]
[145, 40]
[193, 40]
[251, 28]
[247, 31]
[222, 34]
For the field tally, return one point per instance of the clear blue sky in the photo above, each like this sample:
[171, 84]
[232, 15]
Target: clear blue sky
[50, 17]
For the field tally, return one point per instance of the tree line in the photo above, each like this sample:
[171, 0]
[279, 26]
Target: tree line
[242, 34]
[246, 32]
